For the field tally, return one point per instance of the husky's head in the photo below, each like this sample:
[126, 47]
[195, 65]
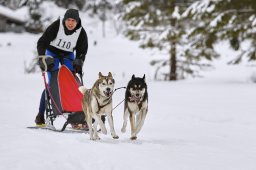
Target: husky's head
[106, 84]
[137, 89]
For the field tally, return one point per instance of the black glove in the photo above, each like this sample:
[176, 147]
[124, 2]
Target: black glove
[78, 66]
[49, 62]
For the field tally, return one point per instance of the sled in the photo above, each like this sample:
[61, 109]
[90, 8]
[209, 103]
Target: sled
[62, 96]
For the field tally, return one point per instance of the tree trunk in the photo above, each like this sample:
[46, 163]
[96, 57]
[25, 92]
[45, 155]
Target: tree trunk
[173, 61]
[173, 74]
[103, 29]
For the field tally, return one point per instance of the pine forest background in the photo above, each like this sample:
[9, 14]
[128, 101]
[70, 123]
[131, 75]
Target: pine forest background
[184, 31]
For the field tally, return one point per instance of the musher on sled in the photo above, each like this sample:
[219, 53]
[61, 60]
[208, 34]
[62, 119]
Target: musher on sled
[58, 43]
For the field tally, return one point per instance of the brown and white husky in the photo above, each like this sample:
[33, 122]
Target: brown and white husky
[96, 102]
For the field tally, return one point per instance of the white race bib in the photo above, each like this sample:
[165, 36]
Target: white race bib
[65, 42]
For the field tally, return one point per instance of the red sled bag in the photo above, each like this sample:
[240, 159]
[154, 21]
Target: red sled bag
[70, 96]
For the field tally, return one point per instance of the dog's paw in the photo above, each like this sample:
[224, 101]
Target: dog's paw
[123, 130]
[133, 138]
[104, 131]
[116, 137]
[95, 138]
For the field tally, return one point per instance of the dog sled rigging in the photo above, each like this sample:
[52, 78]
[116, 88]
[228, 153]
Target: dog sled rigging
[64, 93]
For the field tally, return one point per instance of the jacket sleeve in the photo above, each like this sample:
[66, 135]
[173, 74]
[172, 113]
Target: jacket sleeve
[82, 45]
[49, 35]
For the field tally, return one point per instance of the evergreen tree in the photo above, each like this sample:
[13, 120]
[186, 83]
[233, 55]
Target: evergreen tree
[71, 4]
[34, 25]
[13, 4]
[103, 6]
[232, 20]
[101, 9]
[158, 24]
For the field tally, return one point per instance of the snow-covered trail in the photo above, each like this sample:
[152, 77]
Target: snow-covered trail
[206, 123]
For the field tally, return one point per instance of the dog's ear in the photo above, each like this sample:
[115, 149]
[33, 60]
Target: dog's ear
[100, 75]
[110, 75]
[133, 76]
[144, 77]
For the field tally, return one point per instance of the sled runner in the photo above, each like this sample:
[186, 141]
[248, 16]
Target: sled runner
[68, 130]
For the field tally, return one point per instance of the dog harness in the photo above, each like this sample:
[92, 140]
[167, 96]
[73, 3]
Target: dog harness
[89, 93]
[99, 106]
[136, 100]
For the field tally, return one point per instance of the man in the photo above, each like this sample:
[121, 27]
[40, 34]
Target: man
[60, 40]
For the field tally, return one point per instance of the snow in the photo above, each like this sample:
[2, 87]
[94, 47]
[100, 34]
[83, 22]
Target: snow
[202, 123]
[19, 14]
[216, 20]
[203, 6]
[253, 19]
[176, 13]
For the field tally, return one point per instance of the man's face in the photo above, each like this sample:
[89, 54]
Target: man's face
[70, 23]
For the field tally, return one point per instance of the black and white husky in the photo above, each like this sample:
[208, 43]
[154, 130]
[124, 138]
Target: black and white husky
[136, 105]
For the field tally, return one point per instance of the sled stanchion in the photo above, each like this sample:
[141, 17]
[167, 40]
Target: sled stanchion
[81, 78]
[49, 112]
[48, 106]
[47, 88]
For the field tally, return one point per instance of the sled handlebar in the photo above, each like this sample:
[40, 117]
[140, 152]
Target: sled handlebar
[43, 57]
